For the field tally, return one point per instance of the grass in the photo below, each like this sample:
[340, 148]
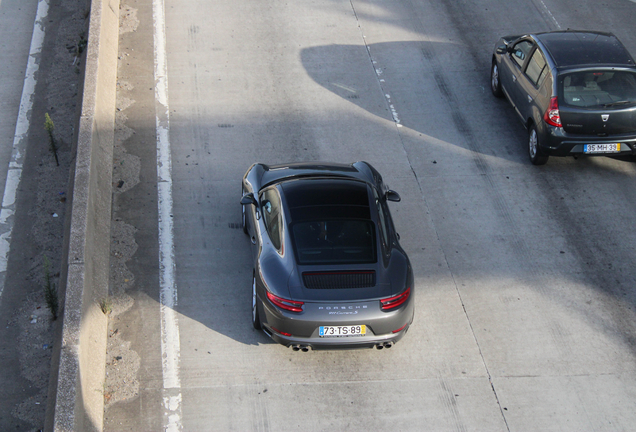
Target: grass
[49, 126]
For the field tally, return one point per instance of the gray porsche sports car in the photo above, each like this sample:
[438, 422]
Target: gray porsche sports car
[329, 271]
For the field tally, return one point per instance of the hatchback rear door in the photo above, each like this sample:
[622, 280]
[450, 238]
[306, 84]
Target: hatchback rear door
[598, 102]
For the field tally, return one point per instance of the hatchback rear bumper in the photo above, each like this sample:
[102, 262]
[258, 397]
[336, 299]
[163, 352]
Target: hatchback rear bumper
[556, 142]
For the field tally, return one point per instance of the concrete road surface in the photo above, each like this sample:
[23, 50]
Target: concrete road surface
[16, 28]
[21, 402]
[525, 282]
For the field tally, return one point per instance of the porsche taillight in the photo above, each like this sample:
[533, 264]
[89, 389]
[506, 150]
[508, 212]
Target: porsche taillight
[395, 301]
[283, 303]
[401, 328]
[281, 332]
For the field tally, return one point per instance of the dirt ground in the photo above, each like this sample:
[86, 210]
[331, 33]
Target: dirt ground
[45, 211]
[45, 186]
[122, 363]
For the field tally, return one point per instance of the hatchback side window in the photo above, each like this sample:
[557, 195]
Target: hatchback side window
[537, 68]
[270, 204]
[520, 51]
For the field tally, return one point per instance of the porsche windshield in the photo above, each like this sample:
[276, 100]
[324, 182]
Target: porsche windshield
[339, 241]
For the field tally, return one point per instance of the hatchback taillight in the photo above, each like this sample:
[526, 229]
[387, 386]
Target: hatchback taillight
[552, 116]
[289, 305]
[395, 301]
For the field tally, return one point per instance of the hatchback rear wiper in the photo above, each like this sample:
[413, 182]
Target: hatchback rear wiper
[617, 103]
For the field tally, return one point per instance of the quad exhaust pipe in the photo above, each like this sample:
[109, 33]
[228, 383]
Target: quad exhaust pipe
[384, 345]
[306, 348]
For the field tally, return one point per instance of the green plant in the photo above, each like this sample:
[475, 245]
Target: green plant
[50, 290]
[49, 126]
[81, 45]
[106, 305]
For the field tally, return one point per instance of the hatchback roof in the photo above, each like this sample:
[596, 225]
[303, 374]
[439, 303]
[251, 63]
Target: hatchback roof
[573, 48]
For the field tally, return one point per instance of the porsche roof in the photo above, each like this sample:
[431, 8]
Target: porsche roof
[325, 198]
[276, 173]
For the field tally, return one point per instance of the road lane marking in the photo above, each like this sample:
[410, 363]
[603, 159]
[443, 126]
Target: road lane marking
[170, 344]
[14, 173]
[378, 72]
[549, 14]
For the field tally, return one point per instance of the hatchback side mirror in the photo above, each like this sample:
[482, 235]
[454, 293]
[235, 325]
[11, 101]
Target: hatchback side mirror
[392, 195]
[249, 199]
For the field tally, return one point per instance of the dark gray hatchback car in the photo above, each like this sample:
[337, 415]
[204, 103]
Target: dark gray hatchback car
[329, 271]
[575, 91]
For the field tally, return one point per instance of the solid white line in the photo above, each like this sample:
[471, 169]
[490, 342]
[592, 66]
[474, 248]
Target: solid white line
[170, 344]
[14, 174]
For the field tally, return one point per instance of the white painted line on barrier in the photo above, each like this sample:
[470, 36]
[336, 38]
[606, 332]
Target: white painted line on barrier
[14, 174]
[170, 344]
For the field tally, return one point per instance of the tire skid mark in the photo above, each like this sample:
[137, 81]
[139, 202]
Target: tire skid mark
[605, 274]
[449, 400]
[260, 416]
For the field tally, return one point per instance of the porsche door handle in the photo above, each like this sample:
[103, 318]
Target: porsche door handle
[253, 240]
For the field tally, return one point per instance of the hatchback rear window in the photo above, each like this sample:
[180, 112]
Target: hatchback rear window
[334, 241]
[598, 89]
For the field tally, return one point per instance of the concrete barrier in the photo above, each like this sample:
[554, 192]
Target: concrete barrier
[76, 400]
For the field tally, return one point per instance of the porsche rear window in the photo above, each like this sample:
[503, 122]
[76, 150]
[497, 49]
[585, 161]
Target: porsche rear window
[348, 241]
[598, 89]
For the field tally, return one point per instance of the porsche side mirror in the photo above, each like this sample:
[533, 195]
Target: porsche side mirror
[392, 195]
[249, 199]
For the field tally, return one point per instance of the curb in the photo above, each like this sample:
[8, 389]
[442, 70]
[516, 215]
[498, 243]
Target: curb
[76, 401]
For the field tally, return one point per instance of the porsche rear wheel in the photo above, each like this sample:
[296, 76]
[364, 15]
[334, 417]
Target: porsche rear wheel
[243, 221]
[256, 319]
